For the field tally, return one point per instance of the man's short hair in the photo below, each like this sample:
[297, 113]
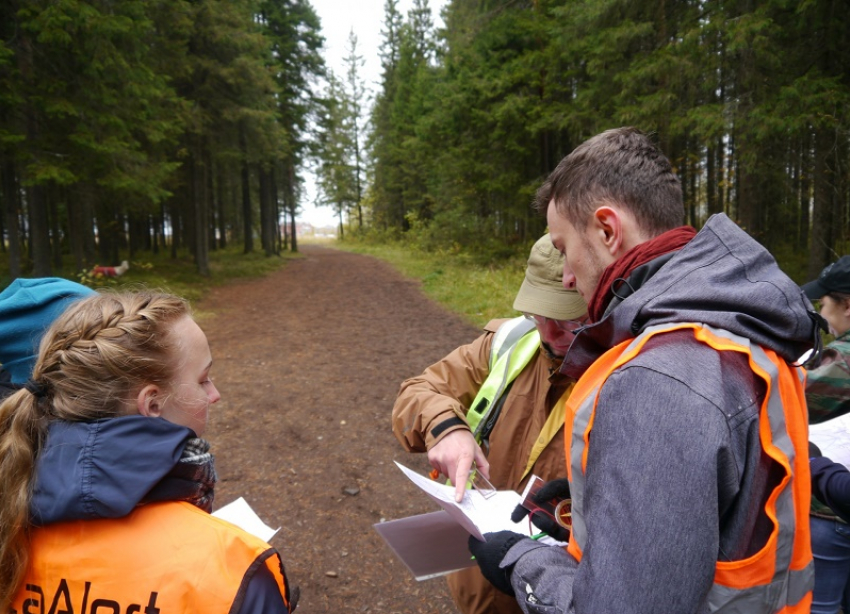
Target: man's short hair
[621, 166]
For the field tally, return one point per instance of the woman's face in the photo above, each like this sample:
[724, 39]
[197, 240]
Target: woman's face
[836, 313]
[190, 393]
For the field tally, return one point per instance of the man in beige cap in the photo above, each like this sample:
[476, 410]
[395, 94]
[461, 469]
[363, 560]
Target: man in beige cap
[498, 403]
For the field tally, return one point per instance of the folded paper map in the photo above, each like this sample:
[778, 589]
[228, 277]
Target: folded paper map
[435, 544]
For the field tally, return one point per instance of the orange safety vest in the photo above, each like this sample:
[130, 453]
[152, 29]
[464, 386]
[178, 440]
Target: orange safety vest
[781, 575]
[163, 558]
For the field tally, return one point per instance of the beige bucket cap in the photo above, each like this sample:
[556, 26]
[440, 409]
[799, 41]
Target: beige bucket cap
[542, 292]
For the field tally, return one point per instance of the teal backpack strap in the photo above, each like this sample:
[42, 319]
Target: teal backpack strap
[514, 345]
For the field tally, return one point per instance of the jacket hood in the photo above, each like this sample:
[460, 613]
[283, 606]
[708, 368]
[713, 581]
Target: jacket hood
[723, 278]
[102, 469]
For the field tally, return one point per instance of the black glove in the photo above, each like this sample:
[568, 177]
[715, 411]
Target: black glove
[488, 554]
[814, 450]
[551, 491]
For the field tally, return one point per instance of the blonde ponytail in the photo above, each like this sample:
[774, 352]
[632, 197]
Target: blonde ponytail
[91, 362]
[22, 430]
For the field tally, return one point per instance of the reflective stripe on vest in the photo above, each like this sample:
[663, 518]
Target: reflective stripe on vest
[163, 557]
[507, 335]
[778, 578]
[514, 345]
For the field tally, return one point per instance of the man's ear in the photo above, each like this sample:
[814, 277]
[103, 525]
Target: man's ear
[148, 401]
[608, 223]
[618, 230]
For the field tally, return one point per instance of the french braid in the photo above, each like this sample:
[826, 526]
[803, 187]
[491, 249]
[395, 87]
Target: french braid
[92, 361]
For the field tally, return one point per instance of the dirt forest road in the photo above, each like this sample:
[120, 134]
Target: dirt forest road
[308, 362]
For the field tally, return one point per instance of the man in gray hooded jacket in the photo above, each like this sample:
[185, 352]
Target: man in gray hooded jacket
[687, 462]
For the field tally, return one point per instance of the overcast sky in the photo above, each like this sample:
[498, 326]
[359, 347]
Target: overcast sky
[366, 18]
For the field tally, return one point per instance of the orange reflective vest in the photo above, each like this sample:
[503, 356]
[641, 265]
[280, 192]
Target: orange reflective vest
[781, 575]
[164, 558]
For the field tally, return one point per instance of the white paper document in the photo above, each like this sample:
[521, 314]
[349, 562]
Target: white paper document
[243, 516]
[474, 513]
[833, 438]
[434, 544]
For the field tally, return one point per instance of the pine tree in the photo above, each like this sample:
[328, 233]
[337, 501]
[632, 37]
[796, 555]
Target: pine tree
[337, 181]
[355, 94]
[293, 29]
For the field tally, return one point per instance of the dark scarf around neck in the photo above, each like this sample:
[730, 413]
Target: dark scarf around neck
[192, 479]
[619, 270]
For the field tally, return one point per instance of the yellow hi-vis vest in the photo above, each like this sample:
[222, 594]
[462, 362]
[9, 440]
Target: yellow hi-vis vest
[781, 574]
[514, 344]
[163, 558]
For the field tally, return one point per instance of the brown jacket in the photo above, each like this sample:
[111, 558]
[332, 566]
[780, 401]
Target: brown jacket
[446, 390]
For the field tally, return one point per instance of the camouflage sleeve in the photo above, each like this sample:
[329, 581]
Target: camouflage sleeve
[828, 386]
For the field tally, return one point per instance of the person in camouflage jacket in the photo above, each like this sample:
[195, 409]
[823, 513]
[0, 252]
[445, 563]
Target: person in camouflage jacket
[827, 397]
[828, 385]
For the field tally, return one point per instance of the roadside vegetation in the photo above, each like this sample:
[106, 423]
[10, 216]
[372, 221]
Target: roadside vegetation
[177, 274]
[471, 117]
[478, 286]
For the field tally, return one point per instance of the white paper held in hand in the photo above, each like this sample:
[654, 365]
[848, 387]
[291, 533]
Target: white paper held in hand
[435, 543]
[243, 516]
[833, 438]
[476, 513]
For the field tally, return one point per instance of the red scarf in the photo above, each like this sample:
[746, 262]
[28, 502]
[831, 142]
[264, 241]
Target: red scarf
[670, 241]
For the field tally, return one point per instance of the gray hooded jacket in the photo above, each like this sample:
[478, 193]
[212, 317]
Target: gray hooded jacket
[675, 478]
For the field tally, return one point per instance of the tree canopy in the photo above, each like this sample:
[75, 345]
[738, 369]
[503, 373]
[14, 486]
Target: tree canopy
[130, 125]
[751, 101]
[145, 124]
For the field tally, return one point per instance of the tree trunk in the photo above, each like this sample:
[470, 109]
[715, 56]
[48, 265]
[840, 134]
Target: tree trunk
[3, 207]
[339, 215]
[357, 172]
[175, 228]
[104, 233]
[189, 203]
[159, 229]
[201, 210]
[222, 223]
[10, 201]
[87, 214]
[290, 171]
[805, 189]
[284, 195]
[55, 234]
[266, 230]
[712, 182]
[212, 206]
[722, 174]
[247, 221]
[820, 252]
[274, 210]
[39, 232]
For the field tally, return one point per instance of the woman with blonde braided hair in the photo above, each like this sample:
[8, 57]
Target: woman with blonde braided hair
[107, 485]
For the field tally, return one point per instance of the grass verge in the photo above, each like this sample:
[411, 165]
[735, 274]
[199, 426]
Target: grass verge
[477, 288]
[474, 286]
[176, 275]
